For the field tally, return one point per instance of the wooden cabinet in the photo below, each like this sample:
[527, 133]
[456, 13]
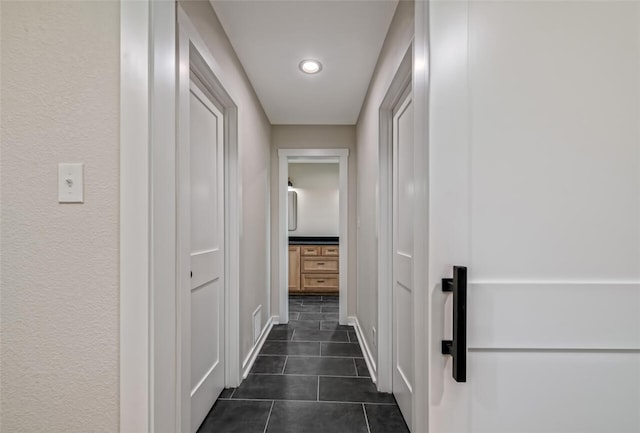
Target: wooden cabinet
[294, 268]
[314, 268]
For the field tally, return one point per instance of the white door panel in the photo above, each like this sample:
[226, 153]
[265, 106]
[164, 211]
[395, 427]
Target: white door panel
[403, 332]
[535, 186]
[206, 139]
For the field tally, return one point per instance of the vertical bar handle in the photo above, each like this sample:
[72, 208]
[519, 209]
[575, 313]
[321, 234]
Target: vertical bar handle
[457, 347]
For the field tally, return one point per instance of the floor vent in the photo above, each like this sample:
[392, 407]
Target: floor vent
[257, 323]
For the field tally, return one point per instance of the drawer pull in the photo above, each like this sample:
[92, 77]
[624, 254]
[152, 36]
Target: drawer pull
[320, 263]
[320, 281]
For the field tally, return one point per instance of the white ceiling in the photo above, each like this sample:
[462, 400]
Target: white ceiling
[272, 37]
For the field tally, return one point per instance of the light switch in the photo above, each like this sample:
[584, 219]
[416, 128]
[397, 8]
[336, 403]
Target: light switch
[70, 183]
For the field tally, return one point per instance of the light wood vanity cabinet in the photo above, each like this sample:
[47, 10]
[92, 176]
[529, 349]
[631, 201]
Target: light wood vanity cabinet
[313, 268]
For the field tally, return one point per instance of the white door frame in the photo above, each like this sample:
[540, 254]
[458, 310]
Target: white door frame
[413, 71]
[283, 232]
[401, 81]
[193, 52]
[149, 297]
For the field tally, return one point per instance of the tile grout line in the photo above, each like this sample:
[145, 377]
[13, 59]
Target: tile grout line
[318, 393]
[356, 366]
[285, 363]
[311, 401]
[366, 418]
[268, 416]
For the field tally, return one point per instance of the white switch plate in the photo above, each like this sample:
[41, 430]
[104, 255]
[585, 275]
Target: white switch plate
[70, 183]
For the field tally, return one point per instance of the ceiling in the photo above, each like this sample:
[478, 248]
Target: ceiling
[272, 37]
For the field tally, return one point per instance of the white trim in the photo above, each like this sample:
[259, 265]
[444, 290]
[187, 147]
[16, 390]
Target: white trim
[195, 57]
[147, 216]
[134, 217]
[283, 269]
[368, 357]
[397, 89]
[421, 223]
[255, 350]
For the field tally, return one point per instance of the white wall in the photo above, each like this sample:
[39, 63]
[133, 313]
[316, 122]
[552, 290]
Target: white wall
[59, 262]
[534, 132]
[254, 134]
[318, 190]
[314, 137]
[398, 40]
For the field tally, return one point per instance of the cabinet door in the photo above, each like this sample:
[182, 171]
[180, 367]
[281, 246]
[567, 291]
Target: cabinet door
[294, 269]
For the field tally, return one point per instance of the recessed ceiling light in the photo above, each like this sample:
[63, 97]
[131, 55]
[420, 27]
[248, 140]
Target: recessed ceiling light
[310, 66]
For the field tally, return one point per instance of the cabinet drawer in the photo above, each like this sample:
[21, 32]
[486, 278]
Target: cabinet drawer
[320, 283]
[332, 250]
[329, 265]
[310, 250]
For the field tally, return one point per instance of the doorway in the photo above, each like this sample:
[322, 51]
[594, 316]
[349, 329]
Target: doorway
[318, 263]
[207, 233]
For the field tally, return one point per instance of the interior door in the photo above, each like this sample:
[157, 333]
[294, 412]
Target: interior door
[402, 344]
[206, 139]
[534, 188]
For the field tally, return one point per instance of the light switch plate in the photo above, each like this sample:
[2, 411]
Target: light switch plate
[70, 183]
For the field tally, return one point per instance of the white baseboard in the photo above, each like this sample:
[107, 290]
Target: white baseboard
[253, 353]
[368, 358]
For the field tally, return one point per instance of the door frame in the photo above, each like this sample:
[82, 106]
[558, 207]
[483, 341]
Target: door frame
[193, 52]
[283, 231]
[397, 89]
[412, 71]
[149, 297]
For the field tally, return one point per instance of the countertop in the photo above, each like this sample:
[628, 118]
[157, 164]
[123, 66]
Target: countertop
[314, 240]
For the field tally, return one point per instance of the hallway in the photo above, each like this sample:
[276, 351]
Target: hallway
[309, 377]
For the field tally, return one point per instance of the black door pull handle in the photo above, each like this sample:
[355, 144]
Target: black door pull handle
[457, 347]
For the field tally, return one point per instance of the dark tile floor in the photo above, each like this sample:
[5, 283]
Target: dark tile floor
[310, 377]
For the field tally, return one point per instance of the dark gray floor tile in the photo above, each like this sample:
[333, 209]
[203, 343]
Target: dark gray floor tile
[361, 366]
[317, 335]
[331, 325]
[300, 324]
[333, 298]
[358, 389]
[311, 299]
[385, 418]
[318, 316]
[278, 387]
[341, 349]
[294, 315]
[226, 393]
[330, 309]
[313, 308]
[321, 366]
[228, 416]
[272, 364]
[280, 334]
[316, 417]
[290, 348]
[353, 337]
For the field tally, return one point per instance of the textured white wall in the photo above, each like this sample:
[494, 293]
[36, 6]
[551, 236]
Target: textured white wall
[318, 188]
[398, 39]
[314, 137]
[254, 134]
[59, 284]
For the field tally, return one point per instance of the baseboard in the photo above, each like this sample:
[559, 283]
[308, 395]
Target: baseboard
[368, 358]
[253, 353]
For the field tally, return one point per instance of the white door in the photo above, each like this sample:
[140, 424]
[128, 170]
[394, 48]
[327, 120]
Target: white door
[206, 300]
[402, 337]
[535, 187]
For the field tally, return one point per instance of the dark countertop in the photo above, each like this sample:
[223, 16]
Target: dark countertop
[314, 240]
